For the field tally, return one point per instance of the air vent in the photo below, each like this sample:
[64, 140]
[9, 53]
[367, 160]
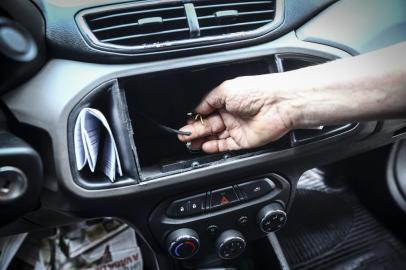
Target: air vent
[145, 26]
[227, 16]
[139, 25]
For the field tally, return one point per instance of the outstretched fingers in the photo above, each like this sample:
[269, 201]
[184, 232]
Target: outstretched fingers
[220, 145]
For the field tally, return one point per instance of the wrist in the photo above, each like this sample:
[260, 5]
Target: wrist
[283, 94]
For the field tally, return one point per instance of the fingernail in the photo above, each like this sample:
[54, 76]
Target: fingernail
[190, 149]
[184, 132]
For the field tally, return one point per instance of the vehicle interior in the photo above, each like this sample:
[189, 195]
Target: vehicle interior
[327, 198]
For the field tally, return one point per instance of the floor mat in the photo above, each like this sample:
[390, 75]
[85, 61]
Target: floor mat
[328, 228]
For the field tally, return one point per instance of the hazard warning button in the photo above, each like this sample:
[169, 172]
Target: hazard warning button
[223, 197]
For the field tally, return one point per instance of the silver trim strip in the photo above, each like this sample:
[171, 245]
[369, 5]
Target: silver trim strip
[95, 42]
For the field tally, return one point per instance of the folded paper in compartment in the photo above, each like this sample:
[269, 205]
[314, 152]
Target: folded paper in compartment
[88, 133]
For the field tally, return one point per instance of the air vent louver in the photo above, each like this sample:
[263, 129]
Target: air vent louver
[230, 16]
[154, 25]
[139, 25]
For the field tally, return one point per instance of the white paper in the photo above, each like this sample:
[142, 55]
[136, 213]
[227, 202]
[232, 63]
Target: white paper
[79, 244]
[88, 129]
[123, 250]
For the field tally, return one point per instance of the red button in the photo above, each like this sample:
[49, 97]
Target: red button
[223, 197]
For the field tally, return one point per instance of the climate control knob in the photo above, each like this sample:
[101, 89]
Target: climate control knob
[230, 244]
[183, 243]
[271, 218]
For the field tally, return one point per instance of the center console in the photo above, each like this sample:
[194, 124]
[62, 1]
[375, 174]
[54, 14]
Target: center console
[192, 209]
[212, 221]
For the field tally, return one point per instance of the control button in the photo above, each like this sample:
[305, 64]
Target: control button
[271, 218]
[257, 188]
[230, 244]
[223, 197]
[197, 204]
[242, 221]
[182, 243]
[188, 206]
[179, 208]
[183, 249]
[213, 230]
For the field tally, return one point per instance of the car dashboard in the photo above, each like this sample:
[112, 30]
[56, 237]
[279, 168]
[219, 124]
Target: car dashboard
[189, 207]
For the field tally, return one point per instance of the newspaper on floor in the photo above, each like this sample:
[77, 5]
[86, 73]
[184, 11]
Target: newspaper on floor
[108, 245]
[89, 128]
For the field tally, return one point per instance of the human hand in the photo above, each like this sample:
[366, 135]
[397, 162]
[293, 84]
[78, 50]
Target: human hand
[241, 113]
[252, 111]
